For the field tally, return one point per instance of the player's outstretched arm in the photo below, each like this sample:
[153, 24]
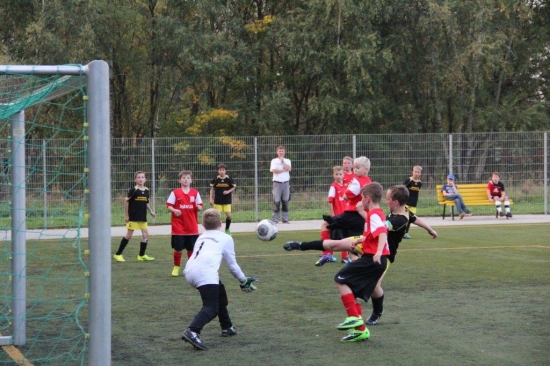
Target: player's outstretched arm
[422, 224]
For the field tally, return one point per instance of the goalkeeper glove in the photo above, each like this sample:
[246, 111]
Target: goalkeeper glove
[246, 284]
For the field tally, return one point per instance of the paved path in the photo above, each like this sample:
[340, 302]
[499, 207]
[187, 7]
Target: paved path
[294, 226]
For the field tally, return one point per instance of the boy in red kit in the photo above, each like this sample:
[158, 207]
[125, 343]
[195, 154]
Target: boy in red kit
[497, 194]
[184, 203]
[336, 204]
[358, 279]
[347, 164]
[350, 222]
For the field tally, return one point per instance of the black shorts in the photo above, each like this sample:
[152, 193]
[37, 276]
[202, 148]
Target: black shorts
[362, 275]
[181, 242]
[350, 223]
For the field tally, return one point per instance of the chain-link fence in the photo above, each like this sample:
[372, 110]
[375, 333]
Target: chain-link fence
[521, 158]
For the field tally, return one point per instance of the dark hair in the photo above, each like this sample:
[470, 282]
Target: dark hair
[222, 166]
[138, 172]
[373, 190]
[400, 193]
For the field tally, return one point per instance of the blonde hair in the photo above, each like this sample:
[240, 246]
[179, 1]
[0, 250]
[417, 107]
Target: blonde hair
[337, 168]
[138, 172]
[211, 219]
[363, 161]
[417, 167]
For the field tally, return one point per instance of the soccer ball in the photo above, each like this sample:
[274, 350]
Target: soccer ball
[266, 230]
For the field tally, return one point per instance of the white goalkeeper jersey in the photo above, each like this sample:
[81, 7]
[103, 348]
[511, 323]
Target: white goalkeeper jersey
[211, 248]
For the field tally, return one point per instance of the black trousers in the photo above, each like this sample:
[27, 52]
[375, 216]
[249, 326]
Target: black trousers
[214, 303]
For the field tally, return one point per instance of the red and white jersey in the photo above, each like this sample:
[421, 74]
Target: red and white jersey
[353, 192]
[187, 223]
[348, 177]
[336, 198]
[375, 224]
[495, 189]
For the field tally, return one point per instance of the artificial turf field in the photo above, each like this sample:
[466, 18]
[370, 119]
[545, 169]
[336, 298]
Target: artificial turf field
[477, 295]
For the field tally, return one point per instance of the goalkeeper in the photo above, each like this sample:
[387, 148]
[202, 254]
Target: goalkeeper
[202, 272]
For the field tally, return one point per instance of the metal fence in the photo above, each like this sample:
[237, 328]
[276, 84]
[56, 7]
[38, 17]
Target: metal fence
[521, 158]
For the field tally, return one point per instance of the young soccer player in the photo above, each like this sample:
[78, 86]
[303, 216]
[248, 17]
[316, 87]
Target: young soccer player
[397, 221]
[184, 203]
[350, 222]
[497, 194]
[336, 205]
[221, 189]
[202, 273]
[414, 185]
[358, 279]
[136, 206]
[347, 164]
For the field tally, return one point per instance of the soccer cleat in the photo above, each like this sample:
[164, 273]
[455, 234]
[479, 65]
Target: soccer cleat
[373, 319]
[119, 258]
[356, 335]
[145, 258]
[406, 236]
[324, 259]
[501, 214]
[229, 332]
[176, 271]
[346, 261]
[351, 322]
[292, 245]
[508, 215]
[228, 232]
[193, 338]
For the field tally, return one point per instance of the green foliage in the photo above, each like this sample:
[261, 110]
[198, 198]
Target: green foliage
[299, 67]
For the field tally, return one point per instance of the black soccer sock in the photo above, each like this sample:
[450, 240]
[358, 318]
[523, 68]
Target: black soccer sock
[312, 245]
[142, 247]
[227, 224]
[122, 245]
[378, 305]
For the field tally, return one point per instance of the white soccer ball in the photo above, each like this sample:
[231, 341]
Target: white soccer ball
[266, 230]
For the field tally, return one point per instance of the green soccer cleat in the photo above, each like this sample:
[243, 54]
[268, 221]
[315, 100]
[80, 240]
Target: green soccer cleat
[228, 232]
[145, 258]
[176, 271]
[351, 322]
[356, 335]
[119, 258]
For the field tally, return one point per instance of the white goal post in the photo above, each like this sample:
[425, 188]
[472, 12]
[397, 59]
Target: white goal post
[99, 180]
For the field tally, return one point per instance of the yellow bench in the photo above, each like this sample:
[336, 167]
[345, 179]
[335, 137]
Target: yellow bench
[472, 194]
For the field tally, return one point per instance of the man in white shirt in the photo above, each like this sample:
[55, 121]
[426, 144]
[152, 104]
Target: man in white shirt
[202, 272]
[281, 167]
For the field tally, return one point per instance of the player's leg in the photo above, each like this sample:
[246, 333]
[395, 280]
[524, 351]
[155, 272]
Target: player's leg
[377, 299]
[210, 297]
[142, 257]
[178, 244]
[223, 314]
[507, 206]
[190, 241]
[498, 205]
[227, 209]
[123, 242]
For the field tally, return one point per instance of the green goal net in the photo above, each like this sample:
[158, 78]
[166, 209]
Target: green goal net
[44, 212]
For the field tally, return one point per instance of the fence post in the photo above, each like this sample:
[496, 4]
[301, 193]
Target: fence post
[545, 173]
[450, 154]
[256, 207]
[153, 185]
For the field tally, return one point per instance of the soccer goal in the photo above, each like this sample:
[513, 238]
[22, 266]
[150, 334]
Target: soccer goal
[55, 214]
